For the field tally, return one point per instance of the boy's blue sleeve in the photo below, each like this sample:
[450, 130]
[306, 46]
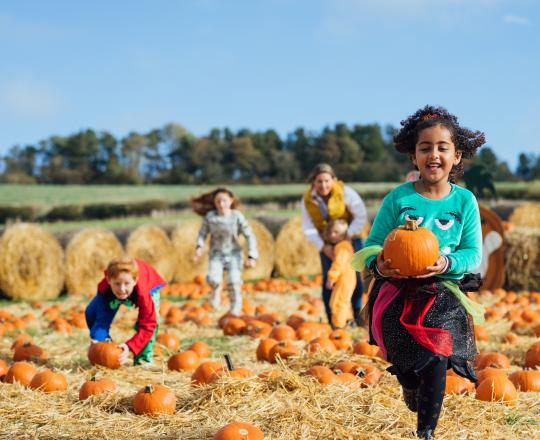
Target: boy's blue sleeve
[99, 317]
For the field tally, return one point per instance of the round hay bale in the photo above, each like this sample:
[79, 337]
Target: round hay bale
[151, 244]
[183, 239]
[527, 214]
[87, 256]
[523, 259]
[295, 255]
[265, 245]
[31, 263]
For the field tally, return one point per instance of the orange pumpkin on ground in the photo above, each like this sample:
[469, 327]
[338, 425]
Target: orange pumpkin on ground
[284, 350]
[184, 361]
[106, 354]
[49, 381]
[366, 349]
[489, 372]
[21, 372]
[3, 369]
[526, 380]
[239, 431]
[491, 359]
[30, 352]
[154, 400]
[94, 387]
[203, 372]
[201, 348]
[498, 389]
[458, 385]
[532, 356]
[411, 249]
[263, 349]
[283, 333]
[322, 343]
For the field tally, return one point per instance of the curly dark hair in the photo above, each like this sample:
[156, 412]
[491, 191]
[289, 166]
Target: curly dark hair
[467, 141]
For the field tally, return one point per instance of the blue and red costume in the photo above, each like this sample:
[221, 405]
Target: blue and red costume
[145, 296]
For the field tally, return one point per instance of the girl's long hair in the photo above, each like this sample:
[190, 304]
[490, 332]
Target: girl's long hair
[204, 203]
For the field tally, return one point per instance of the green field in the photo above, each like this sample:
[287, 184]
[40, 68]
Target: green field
[53, 195]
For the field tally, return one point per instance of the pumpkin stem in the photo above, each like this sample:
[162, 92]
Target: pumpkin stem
[360, 372]
[148, 388]
[229, 362]
[411, 225]
[93, 379]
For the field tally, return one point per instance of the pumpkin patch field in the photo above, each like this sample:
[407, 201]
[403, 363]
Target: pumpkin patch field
[276, 372]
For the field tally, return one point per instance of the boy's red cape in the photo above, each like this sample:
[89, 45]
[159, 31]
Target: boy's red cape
[149, 280]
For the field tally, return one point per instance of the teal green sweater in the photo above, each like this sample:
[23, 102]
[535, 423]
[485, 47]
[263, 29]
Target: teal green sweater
[454, 219]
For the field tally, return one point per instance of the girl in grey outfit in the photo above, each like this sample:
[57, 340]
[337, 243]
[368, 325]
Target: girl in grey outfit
[225, 224]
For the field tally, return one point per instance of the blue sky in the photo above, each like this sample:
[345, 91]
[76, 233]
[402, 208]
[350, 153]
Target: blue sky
[123, 66]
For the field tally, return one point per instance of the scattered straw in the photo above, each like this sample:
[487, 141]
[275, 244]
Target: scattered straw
[523, 259]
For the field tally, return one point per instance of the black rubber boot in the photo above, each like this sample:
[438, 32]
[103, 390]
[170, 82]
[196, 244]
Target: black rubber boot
[410, 396]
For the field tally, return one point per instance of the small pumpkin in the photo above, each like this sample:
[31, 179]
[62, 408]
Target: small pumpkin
[107, 354]
[20, 339]
[203, 372]
[263, 349]
[234, 326]
[239, 431]
[322, 343]
[498, 389]
[284, 350]
[365, 348]
[295, 321]
[532, 356]
[341, 339]
[231, 371]
[319, 372]
[3, 370]
[283, 333]
[30, 352]
[411, 249]
[258, 329]
[184, 361]
[457, 385]
[21, 372]
[94, 387]
[49, 381]
[169, 341]
[491, 359]
[526, 380]
[154, 400]
[201, 348]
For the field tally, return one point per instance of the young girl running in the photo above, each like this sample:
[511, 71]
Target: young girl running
[224, 223]
[424, 325]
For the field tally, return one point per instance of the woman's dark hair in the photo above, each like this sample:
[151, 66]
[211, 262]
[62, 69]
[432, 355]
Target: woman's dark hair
[321, 168]
[467, 141]
[204, 203]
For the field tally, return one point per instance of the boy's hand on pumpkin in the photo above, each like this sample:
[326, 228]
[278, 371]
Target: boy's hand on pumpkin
[383, 266]
[124, 356]
[436, 269]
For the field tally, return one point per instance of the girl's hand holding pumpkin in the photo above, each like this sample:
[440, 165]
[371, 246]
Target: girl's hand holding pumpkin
[124, 356]
[436, 269]
[384, 269]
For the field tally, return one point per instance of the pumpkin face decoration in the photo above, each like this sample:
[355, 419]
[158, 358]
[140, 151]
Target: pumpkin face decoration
[106, 354]
[411, 249]
[154, 400]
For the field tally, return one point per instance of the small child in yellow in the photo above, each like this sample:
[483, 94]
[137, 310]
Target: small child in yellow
[341, 276]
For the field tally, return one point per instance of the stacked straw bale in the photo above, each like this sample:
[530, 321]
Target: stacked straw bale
[151, 244]
[31, 263]
[87, 256]
[523, 259]
[527, 214]
[185, 235]
[295, 255]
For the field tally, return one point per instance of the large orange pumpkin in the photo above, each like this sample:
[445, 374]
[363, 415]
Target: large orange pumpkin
[21, 372]
[49, 381]
[94, 387]
[498, 389]
[411, 249]
[527, 380]
[154, 400]
[106, 354]
[186, 361]
[239, 431]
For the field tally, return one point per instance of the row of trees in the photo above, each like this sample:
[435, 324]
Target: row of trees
[172, 154]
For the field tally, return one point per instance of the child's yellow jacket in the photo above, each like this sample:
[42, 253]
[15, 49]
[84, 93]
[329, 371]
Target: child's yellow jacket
[342, 273]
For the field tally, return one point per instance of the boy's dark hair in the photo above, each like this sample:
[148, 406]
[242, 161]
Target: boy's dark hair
[203, 204]
[465, 140]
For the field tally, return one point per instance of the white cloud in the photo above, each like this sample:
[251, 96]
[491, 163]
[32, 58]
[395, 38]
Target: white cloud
[26, 98]
[517, 20]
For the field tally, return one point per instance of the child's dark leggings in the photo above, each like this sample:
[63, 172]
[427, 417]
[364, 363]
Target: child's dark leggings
[430, 384]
